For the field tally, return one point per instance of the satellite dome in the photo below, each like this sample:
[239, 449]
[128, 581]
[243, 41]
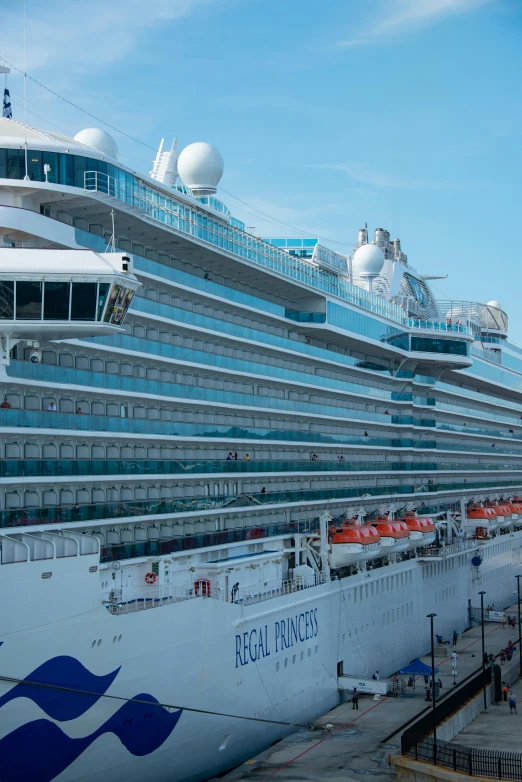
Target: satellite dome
[200, 166]
[98, 139]
[493, 317]
[368, 261]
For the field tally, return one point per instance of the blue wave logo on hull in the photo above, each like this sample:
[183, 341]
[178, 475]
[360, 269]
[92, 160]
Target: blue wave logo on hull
[40, 750]
[62, 672]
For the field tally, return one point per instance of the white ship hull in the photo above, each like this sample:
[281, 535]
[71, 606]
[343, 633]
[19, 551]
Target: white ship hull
[216, 656]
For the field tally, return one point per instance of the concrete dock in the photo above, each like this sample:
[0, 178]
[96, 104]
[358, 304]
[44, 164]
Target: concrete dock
[356, 747]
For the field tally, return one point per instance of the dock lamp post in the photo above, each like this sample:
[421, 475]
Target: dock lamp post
[519, 627]
[431, 617]
[483, 647]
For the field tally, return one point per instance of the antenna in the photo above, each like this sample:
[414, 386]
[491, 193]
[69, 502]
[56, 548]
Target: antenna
[25, 93]
[112, 241]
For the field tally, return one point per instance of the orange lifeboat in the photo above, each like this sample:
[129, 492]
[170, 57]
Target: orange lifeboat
[514, 509]
[480, 522]
[516, 504]
[504, 520]
[352, 542]
[395, 535]
[422, 529]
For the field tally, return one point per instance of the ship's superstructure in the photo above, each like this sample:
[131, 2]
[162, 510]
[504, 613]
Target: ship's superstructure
[232, 467]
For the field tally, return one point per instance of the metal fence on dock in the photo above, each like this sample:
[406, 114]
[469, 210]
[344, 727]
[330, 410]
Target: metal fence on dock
[469, 760]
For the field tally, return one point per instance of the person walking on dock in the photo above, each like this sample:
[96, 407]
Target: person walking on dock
[455, 637]
[355, 699]
[512, 703]
[503, 622]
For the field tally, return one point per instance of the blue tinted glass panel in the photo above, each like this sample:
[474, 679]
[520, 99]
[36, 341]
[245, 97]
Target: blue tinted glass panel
[15, 164]
[83, 304]
[29, 300]
[447, 346]
[102, 298]
[51, 159]
[80, 167]
[35, 166]
[56, 300]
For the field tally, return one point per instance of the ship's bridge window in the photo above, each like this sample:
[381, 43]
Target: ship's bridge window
[62, 300]
[29, 300]
[56, 300]
[83, 302]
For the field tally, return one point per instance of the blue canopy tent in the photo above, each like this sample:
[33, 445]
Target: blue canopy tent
[417, 668]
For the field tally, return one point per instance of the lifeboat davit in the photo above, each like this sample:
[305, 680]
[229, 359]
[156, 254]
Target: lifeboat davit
[480, 522]
[504, 520]
[422, 529]
[395, 535]
[352, 543]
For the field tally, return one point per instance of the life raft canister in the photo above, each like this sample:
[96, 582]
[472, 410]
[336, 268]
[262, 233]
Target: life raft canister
[203, 585]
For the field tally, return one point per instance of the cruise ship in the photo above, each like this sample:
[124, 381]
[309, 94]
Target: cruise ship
[234, 468]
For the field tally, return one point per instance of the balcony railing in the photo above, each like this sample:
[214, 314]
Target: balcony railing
[21, 517]
[196, 222]
[444, 326]
[20, 468]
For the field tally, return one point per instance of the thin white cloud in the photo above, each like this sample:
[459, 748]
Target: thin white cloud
[361, 172]
[75, 35]
[398, 17]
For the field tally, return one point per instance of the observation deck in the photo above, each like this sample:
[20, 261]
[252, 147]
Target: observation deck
[62, 294]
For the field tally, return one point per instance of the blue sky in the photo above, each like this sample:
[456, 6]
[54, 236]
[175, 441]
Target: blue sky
[405, 114]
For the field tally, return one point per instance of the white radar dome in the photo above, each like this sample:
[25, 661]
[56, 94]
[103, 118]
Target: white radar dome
[200, 166]
[98, 139]
[494, 304]
[368, 260]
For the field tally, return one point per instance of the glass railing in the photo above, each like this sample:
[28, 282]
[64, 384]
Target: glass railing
[470, 429]
[204, 359]
[19, 468]
[464, 446]
[487, 355]
[495, 374]
[142, 305]
[68, 421]
[36, 419]
[85, 378]
[479, 396]
[434, 325]
[208, 286]
[111, 510]
[191, 220]
[515, 420]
